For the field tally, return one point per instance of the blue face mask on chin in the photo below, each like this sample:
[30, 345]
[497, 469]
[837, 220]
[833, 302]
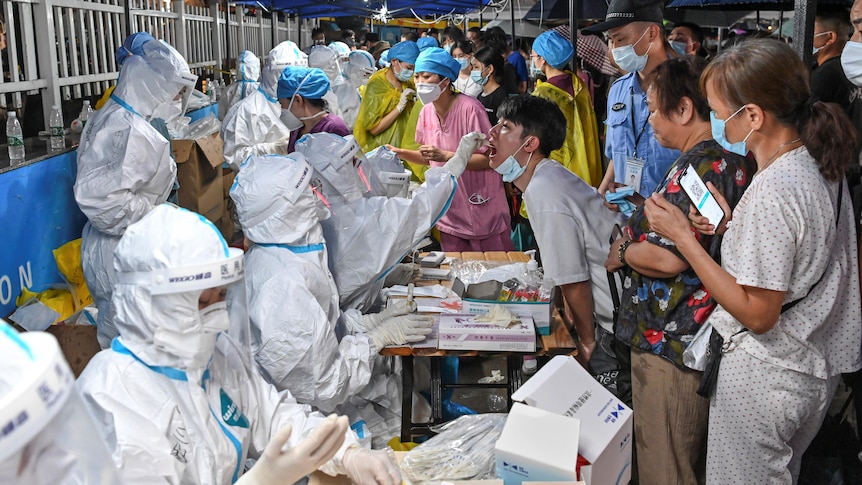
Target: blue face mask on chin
[404, 75]
[718, 133]
[510, 169]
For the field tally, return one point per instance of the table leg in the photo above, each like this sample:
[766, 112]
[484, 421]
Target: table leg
[406, 398]
[513, 365]
[436, 391]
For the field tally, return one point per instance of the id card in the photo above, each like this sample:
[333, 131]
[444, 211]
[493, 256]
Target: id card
[700, 196]
[634, 172]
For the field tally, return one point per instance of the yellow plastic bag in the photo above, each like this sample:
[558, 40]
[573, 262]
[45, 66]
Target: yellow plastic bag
[68, 258]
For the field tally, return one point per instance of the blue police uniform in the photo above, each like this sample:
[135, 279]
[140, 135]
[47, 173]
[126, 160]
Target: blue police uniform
[622, 135]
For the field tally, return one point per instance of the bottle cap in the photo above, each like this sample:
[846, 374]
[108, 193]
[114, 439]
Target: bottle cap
[532, 264]
[56, 106]
[12, 114]
[86, 102]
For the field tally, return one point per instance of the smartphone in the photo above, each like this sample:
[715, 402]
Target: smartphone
[700, 196]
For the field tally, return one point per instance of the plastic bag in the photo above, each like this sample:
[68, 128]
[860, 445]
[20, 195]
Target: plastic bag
[68, 259]
[473, 271]
[694, 356]
[463, 450]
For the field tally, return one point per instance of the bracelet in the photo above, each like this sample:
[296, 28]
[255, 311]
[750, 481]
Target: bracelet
[621, 253]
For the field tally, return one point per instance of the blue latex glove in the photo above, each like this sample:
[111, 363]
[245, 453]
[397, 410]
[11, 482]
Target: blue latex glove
[619, 198]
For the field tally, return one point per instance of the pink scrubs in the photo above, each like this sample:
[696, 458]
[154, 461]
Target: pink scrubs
[478, 219]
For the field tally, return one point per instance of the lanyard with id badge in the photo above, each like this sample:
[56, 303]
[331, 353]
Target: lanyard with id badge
[634, 163]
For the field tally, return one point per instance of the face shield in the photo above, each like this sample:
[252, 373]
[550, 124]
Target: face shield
[204, 300]
[48, 436]
[325, 59]
[394, 178]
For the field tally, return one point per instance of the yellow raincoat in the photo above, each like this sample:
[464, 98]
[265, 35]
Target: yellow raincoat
[580, 152]
[408, 142]
[381, 98]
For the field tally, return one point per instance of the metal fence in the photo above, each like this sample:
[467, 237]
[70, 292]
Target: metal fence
[64, 49]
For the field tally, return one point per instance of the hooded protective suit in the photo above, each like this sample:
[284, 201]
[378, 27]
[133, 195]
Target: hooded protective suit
[248, 73]
[252, 126]
[176, 397]
[125, 166]
[360, 67]
[328, 59]
[47, 437]
[381, 230]
[301, 340]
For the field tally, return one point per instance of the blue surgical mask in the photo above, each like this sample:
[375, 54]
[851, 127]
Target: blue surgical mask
[510, 169]
[404, 75]
[463, 62]
[476, 77]
[679, 47]
[718, 133]
[628, 59]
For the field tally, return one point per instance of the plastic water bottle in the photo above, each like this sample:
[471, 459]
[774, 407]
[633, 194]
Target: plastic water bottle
[86, 112]
[58, 140]
[15, 138]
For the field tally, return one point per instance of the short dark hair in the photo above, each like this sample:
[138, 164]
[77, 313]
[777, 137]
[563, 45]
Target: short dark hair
[695, 29]
[675, 78]
[432, 31]
[317, 31]
[372, 37]
[464, 45]
[477, 31]
[409, 34]
[451, 33]
[537, 117]
[347, 33]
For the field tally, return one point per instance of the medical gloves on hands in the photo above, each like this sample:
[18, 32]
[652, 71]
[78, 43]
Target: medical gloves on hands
[371, 467]
[401, 330]
[277, 147]
[406, 96]
[402, 274]
[278, 465]
[401, 307]
[466, 147]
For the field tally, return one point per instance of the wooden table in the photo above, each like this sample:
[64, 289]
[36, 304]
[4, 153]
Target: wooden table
[559, 342]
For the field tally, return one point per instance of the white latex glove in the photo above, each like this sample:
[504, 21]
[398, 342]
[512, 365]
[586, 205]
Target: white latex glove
[370, 467]
[277, 147]
[402, 274]
[466, 147]
[401, 307]
[406, 96]
[279, 465]
[401, 330]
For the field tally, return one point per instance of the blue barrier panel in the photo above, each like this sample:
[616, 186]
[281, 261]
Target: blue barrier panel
[198, 114]
[39, 214]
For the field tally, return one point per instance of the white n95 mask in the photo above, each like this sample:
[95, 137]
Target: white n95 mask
[428, 92]
[290, 120]
[851, 62]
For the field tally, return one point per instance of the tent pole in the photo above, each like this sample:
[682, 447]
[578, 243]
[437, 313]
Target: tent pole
[480, 15]
[803, 32]
[512, 19]
[573, 28]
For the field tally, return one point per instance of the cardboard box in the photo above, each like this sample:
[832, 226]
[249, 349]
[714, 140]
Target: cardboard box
[462, 332]
[537, 445]
[209, 203]
[563, 387]
[199, 168]
[542, 312]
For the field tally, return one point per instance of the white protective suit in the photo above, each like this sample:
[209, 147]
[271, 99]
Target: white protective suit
[252, 126]
[247, 75]
[48, 438]
[382, 231]
[125, 166]
[325, 58]
[176, 397]
[360, 67]
[301, 340]
[335, 68]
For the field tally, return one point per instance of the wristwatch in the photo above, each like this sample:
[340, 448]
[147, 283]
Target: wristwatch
[621, 252]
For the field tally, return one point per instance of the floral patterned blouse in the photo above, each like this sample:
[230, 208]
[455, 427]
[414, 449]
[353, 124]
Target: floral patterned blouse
[662, 315]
